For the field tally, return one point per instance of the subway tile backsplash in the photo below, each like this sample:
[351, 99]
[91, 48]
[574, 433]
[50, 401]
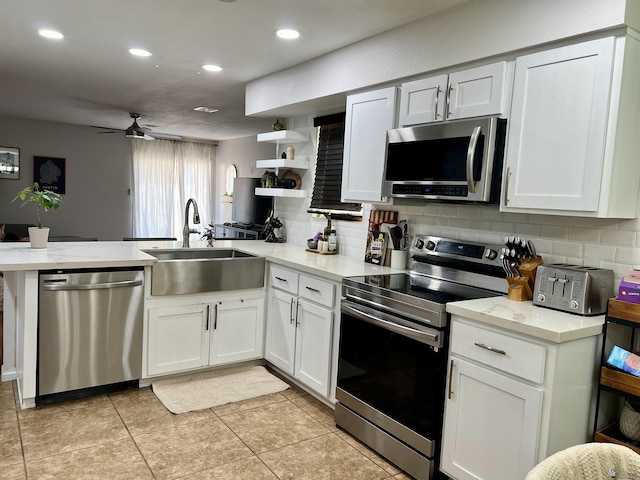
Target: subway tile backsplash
[604, 243]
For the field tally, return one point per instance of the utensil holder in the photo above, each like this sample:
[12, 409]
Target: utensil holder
[521, 288]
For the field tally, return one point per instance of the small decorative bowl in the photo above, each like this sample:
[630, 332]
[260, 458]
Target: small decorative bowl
[311, 244]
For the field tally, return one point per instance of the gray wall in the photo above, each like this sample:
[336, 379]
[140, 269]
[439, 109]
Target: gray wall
[243, 153]
[97, 168]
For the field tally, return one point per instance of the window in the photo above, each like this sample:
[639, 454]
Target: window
[328, 179]
[166, 174]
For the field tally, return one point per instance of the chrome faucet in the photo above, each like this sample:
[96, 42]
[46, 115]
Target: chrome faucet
[196, 219]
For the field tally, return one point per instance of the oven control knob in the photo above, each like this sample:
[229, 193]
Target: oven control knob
[541, 297]
[430, 245]
[574, 304]
[419, 243]
[491, 254]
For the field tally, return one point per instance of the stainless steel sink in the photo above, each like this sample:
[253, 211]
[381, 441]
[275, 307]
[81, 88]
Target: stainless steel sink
[181, 271]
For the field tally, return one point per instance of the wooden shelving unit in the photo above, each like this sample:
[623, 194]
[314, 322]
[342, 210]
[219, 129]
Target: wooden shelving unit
[616, 381]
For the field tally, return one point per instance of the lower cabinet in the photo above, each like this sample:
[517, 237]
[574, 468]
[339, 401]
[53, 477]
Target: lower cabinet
[513, 400]
[488, 417]
[300, 331]
[217, 331]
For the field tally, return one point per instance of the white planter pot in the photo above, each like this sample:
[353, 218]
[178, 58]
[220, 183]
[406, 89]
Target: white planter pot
[39, 237]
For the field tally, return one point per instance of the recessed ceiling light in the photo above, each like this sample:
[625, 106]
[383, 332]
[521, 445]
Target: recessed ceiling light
[139, 52]
[287, 33]
[212, 68]
[228, 1]
[206, 109]
[52, 34]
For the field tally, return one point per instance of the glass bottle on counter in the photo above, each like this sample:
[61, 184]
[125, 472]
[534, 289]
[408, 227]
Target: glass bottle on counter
[333, 241]
[327, 229]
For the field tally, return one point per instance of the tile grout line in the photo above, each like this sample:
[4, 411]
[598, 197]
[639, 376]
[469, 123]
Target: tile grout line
[153, 475]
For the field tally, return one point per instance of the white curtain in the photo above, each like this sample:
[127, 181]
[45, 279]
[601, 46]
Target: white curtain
[166, 174]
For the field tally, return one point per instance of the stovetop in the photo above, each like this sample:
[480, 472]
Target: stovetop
[442, 271]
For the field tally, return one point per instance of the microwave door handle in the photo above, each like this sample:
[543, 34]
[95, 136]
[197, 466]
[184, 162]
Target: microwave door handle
[473, 142]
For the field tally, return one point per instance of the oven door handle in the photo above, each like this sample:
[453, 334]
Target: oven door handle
[385, 321]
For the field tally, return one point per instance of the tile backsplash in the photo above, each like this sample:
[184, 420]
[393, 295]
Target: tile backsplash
[604, 243]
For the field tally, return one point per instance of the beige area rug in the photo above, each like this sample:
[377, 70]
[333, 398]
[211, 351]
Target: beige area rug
[209, 389]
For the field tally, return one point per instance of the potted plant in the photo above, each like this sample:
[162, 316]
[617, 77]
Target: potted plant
[209, 234]
[45, 199]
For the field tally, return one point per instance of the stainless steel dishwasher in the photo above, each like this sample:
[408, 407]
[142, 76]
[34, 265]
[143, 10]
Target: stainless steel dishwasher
[89, 328]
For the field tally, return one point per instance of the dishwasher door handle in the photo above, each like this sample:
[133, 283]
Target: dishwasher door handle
[55, 285]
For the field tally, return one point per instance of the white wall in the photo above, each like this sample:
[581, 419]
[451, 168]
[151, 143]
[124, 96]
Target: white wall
[465, 33]
[97, 168]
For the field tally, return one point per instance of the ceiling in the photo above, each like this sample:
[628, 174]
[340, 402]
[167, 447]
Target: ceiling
[89, 78]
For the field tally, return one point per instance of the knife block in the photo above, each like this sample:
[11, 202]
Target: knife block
[521, 288]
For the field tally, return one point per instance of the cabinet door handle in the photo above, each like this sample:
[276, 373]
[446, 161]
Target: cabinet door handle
[215, 316]
[491, 349]
[506, 186]
[450, 379]
[448, 104]
[298, 315]
[312, 289]
[435, 116]
[207, 325]
[281, 279]
[291, 312]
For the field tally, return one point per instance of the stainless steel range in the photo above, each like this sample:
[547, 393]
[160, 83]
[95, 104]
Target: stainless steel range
[394, 338]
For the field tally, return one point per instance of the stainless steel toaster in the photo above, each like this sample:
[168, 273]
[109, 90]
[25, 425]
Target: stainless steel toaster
[573, 288]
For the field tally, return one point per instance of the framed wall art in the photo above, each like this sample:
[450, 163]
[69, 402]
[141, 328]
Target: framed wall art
[9, 163]
[49, 172]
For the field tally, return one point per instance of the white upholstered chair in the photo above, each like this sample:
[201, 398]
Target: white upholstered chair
[589, 461]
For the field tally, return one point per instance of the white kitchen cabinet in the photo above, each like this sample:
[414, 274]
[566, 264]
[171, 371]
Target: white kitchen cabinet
[369, 115]
[513, 398]
[238, 329]
[218, 329]
[177, 338]
[467, 93]
[300, 328]
[572, 143]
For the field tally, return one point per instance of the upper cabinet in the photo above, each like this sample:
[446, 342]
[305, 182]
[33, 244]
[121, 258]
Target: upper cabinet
[573, 142]
[369, 115]
[467, 93]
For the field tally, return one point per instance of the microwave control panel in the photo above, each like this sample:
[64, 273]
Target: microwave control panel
[441, 190]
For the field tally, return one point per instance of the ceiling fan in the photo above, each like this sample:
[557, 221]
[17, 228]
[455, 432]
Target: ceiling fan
[135, 131]
[144, 132]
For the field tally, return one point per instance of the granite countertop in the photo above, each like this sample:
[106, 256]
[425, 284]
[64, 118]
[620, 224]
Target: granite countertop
[528, 319]
[20, 256]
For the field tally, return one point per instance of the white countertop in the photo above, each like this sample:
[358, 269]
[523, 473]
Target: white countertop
[16, 256]
[528, 319]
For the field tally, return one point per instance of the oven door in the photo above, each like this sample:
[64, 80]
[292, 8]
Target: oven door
[391, 371]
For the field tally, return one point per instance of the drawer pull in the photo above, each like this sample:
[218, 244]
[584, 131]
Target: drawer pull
[281, 279]
[491, 349]
[312, 289]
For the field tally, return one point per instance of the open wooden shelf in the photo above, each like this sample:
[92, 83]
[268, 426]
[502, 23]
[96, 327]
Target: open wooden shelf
[281, 192]
[627, 311]
[611, 434]
[283, 136]
[283, 163]
[621, 381]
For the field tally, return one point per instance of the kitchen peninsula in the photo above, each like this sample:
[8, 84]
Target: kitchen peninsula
[21, 266]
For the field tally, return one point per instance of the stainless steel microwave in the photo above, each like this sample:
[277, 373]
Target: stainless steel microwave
[459, 161]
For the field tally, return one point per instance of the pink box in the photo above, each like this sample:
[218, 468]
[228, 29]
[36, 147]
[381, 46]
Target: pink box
[629, 291]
